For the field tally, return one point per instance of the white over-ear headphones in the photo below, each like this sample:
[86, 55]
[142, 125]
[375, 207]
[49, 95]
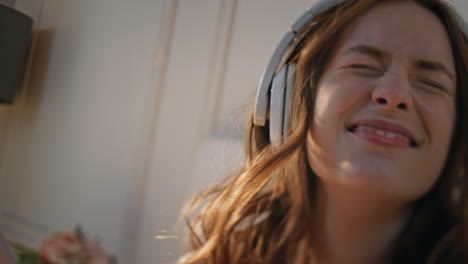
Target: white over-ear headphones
[274, 91]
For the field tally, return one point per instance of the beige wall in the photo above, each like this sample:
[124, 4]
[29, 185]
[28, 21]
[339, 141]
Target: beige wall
[75, 144]
[7, 2]
[127, 114]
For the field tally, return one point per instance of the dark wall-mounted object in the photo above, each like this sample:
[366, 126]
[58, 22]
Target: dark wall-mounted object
[15, 38]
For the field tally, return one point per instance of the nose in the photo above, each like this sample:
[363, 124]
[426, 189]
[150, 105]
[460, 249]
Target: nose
[393, 93]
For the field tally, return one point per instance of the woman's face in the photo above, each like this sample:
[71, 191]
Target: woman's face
[385, 107]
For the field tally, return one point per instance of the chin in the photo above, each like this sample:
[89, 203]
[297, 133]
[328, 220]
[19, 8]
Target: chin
[384, 183]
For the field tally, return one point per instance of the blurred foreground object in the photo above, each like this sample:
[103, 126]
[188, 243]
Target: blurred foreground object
[15, 36]
[64, 248]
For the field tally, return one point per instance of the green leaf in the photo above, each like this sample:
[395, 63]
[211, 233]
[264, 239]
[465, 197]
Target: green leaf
[26, 255]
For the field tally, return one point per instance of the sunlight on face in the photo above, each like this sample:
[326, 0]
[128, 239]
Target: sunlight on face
[385, 105]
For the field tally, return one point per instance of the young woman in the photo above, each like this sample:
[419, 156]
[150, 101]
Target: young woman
[371, 166]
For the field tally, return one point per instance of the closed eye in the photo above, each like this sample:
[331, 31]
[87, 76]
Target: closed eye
[363, 66]
[365, 69]
[433, 84]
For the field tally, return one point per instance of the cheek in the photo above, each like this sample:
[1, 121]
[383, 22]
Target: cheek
[439, 119]
[337, 98]
[321, 139]
[318, 156]
[327, 113]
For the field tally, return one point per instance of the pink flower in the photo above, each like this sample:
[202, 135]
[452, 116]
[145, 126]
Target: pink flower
[96, 254]
[62, 248]
[69, 248]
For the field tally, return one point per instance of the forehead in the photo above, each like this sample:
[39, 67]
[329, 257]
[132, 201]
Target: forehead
[400, 27]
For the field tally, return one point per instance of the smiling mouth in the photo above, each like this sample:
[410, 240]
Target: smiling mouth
[382, 136]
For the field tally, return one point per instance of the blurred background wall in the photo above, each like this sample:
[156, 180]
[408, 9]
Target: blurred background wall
[131, 108]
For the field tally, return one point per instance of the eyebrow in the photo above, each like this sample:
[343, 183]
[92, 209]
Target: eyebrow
[368, 50]
[382, 55]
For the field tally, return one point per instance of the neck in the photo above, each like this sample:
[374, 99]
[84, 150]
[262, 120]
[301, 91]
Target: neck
[355, 228]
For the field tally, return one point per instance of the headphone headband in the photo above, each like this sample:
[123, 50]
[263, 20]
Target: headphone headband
[263, 93]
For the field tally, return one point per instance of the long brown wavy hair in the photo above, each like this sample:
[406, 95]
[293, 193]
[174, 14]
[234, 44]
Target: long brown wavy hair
[261, 213]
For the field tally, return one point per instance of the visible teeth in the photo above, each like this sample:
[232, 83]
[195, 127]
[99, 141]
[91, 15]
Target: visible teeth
[388, 134]
[380, 132]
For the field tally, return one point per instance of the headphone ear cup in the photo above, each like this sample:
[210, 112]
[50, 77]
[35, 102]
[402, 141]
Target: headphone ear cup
[264, 88]
[277, 100]
[290, 78]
